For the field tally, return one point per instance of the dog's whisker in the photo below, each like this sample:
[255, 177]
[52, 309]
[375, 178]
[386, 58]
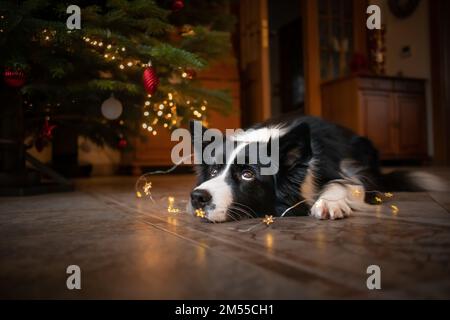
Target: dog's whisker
[248, 214]
[230, 214]
[249, 208]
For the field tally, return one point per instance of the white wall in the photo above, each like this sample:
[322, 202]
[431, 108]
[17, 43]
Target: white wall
[413, 32]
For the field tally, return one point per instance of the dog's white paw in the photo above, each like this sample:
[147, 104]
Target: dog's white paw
[330, 209]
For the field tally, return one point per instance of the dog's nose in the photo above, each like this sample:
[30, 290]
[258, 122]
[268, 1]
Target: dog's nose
[200, 198]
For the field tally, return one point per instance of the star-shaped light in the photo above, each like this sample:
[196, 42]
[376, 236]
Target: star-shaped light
[268, 220]
[147, 186]
[170, 207]
[200, 213]
[395, 209]
[378, 200]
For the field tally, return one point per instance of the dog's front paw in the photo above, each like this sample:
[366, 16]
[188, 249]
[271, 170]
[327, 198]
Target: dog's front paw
[330, 209]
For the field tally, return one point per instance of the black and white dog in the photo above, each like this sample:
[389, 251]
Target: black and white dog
[326, 169]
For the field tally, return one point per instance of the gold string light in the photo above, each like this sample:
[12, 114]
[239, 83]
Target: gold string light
[164, 113]
[268, 220]
[200, 213]
[394, 208]
[147, 186]
[170, 207]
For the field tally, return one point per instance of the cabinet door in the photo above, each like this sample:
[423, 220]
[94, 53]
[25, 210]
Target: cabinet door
[378, 117]
[411, 124]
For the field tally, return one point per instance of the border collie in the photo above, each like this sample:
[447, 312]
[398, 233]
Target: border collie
[325, 171]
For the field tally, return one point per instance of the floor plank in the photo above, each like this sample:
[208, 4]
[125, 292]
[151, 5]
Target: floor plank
[133, 248]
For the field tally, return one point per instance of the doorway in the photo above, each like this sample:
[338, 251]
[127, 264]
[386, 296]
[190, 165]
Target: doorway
[287, 75]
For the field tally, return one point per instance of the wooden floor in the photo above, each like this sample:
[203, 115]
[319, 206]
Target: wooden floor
[132, 248]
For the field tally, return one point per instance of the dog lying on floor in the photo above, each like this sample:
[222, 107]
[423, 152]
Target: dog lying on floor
[324, 170]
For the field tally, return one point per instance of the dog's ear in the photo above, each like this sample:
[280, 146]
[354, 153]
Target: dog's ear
[295, 146]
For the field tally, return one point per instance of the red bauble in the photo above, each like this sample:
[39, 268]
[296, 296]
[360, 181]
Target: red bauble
[177, 5]
[122, 143]
[191, 73]
[47, 130]
[14, 78]
[150, 79]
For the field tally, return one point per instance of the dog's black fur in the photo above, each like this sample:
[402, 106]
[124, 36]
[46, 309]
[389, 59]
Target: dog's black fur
[310, 146]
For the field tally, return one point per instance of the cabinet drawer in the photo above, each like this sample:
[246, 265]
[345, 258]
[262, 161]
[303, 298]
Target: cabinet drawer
[375, 84]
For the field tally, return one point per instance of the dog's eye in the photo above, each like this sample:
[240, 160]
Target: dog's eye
[213, 172]
[247, 175]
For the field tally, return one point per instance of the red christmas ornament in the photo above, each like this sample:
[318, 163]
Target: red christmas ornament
[177, 5]
[190, 73]
[122, 143]
[47, 130]
[150, 79]
[14, 78]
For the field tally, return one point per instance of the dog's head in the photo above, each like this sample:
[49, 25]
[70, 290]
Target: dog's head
[232, 184]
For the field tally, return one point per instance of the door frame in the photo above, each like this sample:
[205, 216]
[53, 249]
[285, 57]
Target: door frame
[311, 56]
[439, 11]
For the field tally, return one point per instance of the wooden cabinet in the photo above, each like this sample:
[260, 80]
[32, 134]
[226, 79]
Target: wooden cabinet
[389, 111]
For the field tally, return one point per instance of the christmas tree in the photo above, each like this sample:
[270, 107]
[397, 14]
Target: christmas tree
[129, 70]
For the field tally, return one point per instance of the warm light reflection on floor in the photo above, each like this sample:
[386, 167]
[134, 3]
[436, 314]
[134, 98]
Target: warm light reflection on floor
[269, 242]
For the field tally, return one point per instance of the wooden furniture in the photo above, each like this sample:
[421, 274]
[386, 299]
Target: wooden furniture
[389, 111]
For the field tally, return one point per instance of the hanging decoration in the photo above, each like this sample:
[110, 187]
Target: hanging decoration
[122, 143]
[150, 79]
[47, 130]
[189, 74]
[111, 108]
[45, 135]
[14, 78]
[177, 5]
